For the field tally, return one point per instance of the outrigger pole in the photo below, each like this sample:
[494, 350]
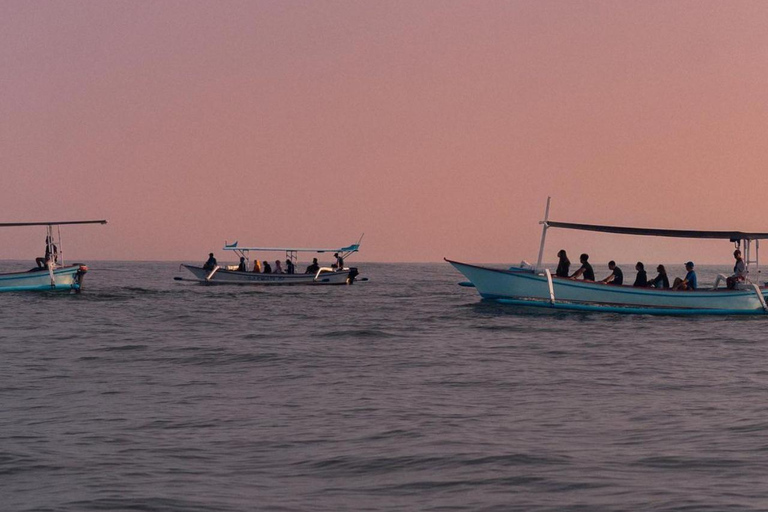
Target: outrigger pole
[545, 225]
[58, 223]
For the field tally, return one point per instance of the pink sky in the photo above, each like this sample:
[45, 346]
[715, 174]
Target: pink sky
[438, 128]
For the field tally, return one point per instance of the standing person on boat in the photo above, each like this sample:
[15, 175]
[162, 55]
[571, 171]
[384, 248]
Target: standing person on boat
[739, 271]
[256, 267]
[642, 278]
[211, 263]
[278, 267]
[242, 266]
[313, 268]
[585, 269]
[267, 268]
[563, 265]
[689, 282]
[661, 281]
[616, 277]
[339, 261]
[290, 268]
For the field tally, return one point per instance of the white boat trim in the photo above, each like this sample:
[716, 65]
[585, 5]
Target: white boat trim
[292, 253]
[222, 276]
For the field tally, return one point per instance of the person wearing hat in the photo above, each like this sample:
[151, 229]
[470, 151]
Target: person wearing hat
[689, 283]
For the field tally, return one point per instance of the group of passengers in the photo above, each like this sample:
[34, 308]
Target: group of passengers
[661, 281]
[265, 268]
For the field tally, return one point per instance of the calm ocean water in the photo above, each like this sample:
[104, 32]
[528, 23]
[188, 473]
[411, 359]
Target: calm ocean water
[402, 393]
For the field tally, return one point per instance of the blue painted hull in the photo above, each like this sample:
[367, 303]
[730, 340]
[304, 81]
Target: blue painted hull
[529, 289]
[65, 279]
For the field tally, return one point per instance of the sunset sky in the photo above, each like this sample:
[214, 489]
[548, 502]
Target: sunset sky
[437, 128]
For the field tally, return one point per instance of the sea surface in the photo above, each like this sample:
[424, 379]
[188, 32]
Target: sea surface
[406, 392]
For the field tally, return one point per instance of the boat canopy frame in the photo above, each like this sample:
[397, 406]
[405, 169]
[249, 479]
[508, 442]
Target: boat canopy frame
[737, 237]
[292, 253]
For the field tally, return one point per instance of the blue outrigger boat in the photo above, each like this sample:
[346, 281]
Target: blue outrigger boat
[51, 274]
[528, 285]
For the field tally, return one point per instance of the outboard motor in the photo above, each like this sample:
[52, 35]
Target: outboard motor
[353, 273]
[79, 277]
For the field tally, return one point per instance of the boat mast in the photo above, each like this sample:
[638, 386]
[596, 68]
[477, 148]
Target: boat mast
[757, 260]
[61, 251]
[747, 255]
[50, 262]
[543, 235]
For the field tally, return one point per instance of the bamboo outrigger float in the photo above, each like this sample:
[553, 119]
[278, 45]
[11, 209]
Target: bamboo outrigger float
[52, 274]
[232, 276]
[536, 286]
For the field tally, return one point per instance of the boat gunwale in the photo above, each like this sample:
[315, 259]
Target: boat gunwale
[28, 274]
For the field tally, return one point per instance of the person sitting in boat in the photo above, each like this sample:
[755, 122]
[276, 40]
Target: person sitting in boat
[290, 268]
[689, 282]
[278, 267]
[242, 267]
[339, 265]
[616, 277]
[661, 281]
[267, 267]
[642, 278]
[585, 270]
[563, 264]
[256, 267]
[211, 263]
[50, 248]
[739, 271]
[313, 268]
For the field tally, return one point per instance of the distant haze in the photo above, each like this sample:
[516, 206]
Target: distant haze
[437, 128]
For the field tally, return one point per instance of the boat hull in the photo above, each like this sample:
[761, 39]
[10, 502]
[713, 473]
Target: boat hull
[530, 289]
[69, 278]
[233, 277]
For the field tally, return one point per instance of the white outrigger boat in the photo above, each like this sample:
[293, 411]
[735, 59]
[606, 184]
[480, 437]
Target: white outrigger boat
[230, 274]
[529, 285]
[52, 274]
